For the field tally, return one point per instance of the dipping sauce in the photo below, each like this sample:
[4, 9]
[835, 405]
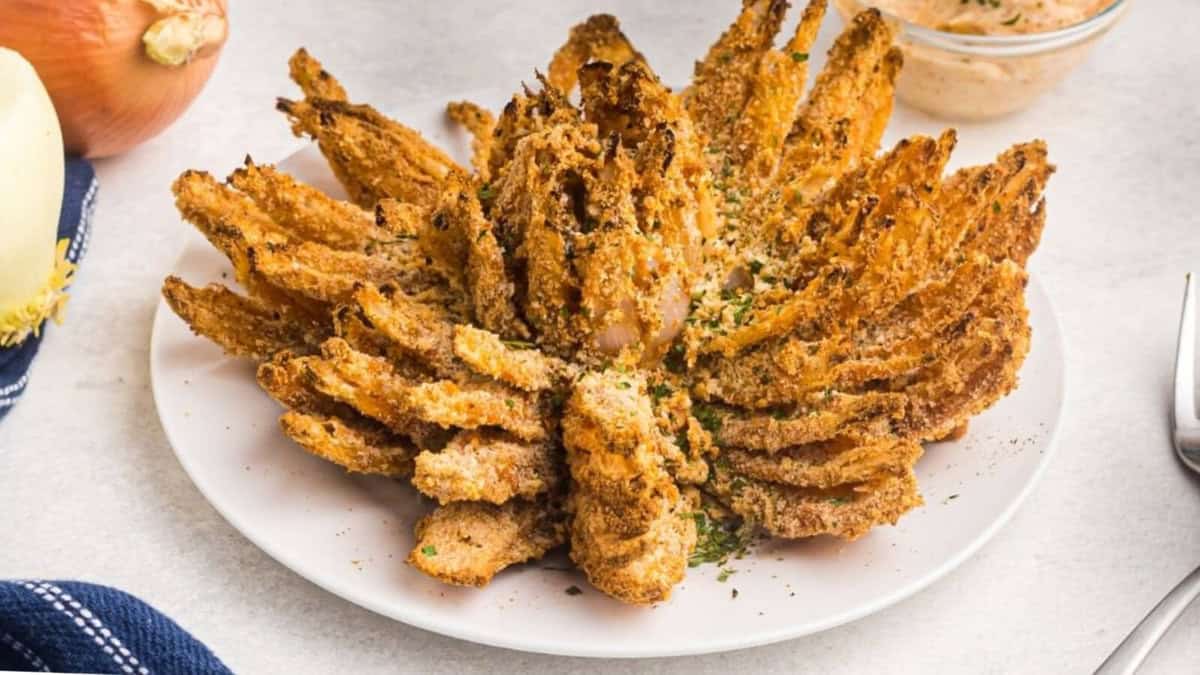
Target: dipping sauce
[994, 17]
[951, 74]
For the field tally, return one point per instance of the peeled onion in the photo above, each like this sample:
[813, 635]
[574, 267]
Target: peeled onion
[118, 71]
[673, 305]
[613, 337]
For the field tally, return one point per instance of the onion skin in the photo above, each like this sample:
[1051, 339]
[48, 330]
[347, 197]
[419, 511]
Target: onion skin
[109, 95]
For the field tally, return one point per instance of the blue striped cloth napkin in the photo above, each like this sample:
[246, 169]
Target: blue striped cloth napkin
[75, 224]
[70, 626]
[73, 627]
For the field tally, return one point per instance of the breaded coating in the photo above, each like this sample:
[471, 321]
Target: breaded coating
[329, 275]
[313, 79]
[406, 220]
[329, 428]
[234, 224]
[372, 155]
[538, 200]
[463, 244]
[822, 419]
[357, 448]
[371, 386]
[467, 543]
[597, 39]
[842, 121]
[231, 221]
[351, 325]
[518, 365]
[220, 212]
[770, 109]
[1009, 225]
[887, 256]
[241, 326]
[650, 193]
[979, 364]
[470, 406]
[723, 80]
[285, 379]
[381, 157]
[301, 68]
[423, 331]
[628, 533]
[481, 466]
[525, 114]
[846, 459]
[921, 329]
[305, 212]
[639, 569]
[482, 125]
[846, 511]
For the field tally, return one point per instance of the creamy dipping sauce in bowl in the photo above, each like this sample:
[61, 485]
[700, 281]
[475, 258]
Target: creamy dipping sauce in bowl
[1000, 17]
[980, 59]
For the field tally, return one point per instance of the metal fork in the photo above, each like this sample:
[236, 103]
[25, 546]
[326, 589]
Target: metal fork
[1185, 431]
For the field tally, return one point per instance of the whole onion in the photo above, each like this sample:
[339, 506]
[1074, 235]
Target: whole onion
[118, 71]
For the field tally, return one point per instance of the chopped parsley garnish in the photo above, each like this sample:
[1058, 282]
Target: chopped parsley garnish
[995, 207]
[623, 385]
[725, 573]
[755, 266]
[742, 308]
[510, 403]
[799, 57]
[1012, 20]
[429, 551]
[716, 541]
[518, 344]
[675, 359]
[708, 418]
[486, 192]
[660, 391]
[681, 440]
[839, 501]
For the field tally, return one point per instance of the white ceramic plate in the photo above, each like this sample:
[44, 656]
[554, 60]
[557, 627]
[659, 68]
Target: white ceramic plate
[350, 534]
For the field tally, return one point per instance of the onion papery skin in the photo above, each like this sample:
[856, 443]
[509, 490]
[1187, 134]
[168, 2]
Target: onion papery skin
[109, 95]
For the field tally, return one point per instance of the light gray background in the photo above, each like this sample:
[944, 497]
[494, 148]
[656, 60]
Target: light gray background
[89, 488]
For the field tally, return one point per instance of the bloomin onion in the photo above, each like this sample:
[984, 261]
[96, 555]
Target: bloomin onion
[118, 71]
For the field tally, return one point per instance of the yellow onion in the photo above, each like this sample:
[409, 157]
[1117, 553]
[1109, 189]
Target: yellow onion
[33, 267]
[118, 71]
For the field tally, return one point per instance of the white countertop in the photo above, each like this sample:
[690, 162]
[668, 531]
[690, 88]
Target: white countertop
[89, 488]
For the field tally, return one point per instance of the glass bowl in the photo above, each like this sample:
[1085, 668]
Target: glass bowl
[980, 77]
